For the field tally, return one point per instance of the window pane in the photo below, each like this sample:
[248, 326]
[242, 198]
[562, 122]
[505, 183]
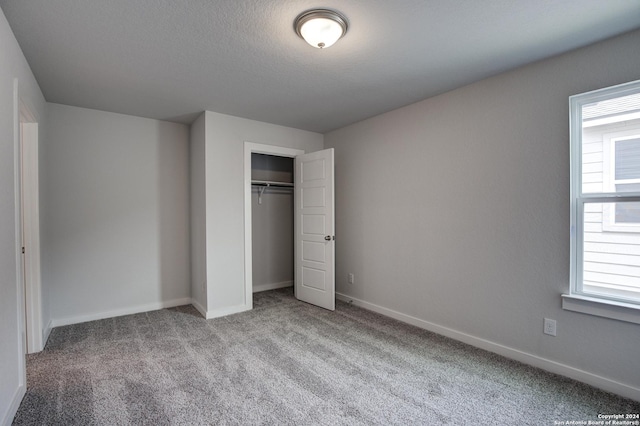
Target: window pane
[608, 160]
[627, 159]
[627, 187]
[611, 252]
[628, 213]
[614, 107]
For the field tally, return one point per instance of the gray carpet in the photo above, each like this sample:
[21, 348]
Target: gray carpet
[284, 363]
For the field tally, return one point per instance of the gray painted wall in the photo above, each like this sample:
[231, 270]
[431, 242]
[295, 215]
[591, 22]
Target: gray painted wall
[117, 190]
[45, 257]
[455, 210]
[225, 137]
[198, 223]
[12, 65]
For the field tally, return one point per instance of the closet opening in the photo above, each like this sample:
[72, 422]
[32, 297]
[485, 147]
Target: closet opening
[274, 166]
[272, 226]
[291, 195]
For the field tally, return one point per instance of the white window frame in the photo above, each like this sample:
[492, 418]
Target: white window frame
[577, 300]
[610, 140]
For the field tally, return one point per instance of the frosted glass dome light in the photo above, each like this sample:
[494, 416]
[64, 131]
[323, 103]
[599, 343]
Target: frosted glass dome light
[321, 27]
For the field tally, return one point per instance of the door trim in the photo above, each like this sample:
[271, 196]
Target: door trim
[21, 348]
[255, 148]
[31, 234]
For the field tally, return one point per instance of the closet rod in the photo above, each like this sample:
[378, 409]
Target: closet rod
[271, 183]
[264, 184]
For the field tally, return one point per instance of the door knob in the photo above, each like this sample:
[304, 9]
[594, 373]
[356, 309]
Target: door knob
[329, 238]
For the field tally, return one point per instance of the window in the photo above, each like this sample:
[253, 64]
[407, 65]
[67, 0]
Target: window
[605, 202]
[622, 174]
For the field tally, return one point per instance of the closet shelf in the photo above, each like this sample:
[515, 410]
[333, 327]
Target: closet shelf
[272, 183]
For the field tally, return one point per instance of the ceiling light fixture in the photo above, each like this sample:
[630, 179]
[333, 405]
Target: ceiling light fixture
[321, 27]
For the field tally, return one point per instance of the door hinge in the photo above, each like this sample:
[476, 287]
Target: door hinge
[22, 250]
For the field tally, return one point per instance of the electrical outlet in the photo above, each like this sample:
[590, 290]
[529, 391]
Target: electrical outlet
[351, 278]
[550, 327]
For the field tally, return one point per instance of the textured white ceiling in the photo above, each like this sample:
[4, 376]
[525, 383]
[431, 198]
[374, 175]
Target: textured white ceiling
[169, 59]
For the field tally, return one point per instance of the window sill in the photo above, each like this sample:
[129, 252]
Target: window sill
[603, 308]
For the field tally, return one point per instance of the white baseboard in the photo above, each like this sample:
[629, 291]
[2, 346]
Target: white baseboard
[199, 308]
[217, 313]
[272, 286]
[223, 312]
[46, 333]
[13, 407]
[600, 382]
[58, 322]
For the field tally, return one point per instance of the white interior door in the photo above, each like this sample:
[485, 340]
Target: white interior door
[315, 229]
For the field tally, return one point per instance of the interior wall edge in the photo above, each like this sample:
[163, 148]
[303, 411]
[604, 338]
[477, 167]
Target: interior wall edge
[604, 383]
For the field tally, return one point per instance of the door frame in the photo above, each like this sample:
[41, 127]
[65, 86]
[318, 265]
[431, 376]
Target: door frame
[31, 230]
[256, 148]
[28, 187]
[20, 299]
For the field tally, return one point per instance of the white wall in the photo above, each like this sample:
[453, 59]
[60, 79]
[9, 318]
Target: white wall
[198, 223]
[454, 213]
[117, 190]
[45, 290]
[12, 65]
[225, 137]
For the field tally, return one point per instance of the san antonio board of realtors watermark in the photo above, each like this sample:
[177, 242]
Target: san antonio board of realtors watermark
[632, 419]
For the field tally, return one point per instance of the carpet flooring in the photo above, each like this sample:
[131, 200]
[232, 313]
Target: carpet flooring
[288, 363]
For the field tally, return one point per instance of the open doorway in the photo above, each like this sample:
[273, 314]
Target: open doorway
[284, 155]
[30, 229]
[272, 221]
